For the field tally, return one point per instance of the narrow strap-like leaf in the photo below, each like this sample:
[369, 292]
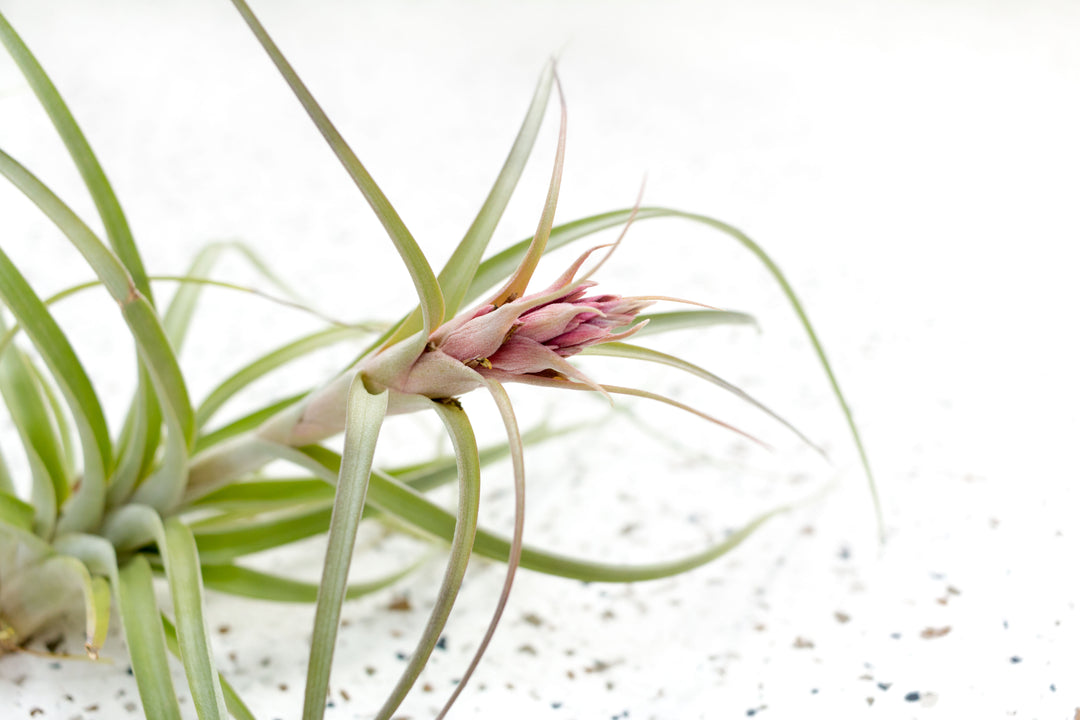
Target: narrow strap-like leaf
[427, 286]
[364, 418]
[86, 506]
[32, 416]
[185, 584]
[635, 352]
[112, 216]
[663, 322]
[268, 363]
[461, 433]
[457, 274]
[146, 640]
[236, 706]
[502, 264]
[519, 280]
[517, 455]
[245, 582]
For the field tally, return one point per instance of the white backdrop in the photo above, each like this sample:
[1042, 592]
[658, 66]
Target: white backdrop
[911, 166]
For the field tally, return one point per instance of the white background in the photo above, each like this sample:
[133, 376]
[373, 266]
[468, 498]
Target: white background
[911, 166]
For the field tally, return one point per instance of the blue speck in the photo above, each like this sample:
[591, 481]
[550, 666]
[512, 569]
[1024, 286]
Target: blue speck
[912, 697]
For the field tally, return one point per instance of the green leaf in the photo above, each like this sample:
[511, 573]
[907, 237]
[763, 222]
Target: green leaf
[265, 495]
[246, 422]
[141, 318]
[86, 506]
[689, 319]
[14, 511]
[458, 272]
[33, 418]
[517, 453]
[268, 363]
[185, 583]
[218, 546]
[500, 265]
[236, 706]
[101, 191]
[516, 286]
[461, 433]
[635, 352]
[146, 640]
[237, 580]
[364, 418]
[427, 286]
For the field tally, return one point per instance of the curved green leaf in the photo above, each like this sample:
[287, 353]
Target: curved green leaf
[146, 640]
[364, 418]
[236, 706]
[502, 264]
[268, 363]
[112, 216]
[185, 583]
[424, 280]
[86, 506]
[458, 272]
[245, 582]
[461, 543]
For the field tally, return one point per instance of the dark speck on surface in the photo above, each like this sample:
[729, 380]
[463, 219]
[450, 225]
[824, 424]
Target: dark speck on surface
[912, 697]
[401, 656]
[813, 691]
[1015, 659]
[441, 644]
[556, 705]
[54, 666]
[129, 671]
[884, 685]
[895, 636]
[1053, 688]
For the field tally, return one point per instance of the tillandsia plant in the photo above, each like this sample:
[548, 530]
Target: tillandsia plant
[102, 514]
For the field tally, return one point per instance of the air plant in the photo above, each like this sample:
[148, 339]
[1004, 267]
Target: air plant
[169, 497]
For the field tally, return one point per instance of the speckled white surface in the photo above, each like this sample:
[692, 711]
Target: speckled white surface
[912, 167]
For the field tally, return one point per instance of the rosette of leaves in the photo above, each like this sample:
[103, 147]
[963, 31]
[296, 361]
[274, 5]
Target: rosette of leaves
[105, 511]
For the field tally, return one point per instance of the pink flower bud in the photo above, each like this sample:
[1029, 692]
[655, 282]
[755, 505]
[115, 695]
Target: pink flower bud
[527, 337]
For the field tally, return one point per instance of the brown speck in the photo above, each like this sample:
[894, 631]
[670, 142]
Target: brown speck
[282, 687]
[224, 629]
[760, 627]
[607, 615]
[841, 617]
[91, 708]
[36, 711]
[427, 687]
[400, 603]
[570, 674]
[1077, 715]
[533, 619]
[952, 590]
[369, 670]
[527, 649]
[803, 643]
[130, 706]
[931, 633]
[598, 666]
[807, 530]
[345, 695]
[869, 701]
[233, 657]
